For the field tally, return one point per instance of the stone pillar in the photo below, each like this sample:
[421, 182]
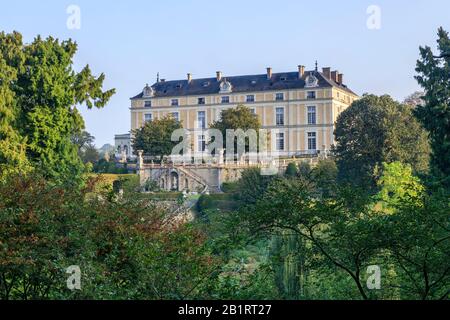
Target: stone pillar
[140, 167]
[221, 152]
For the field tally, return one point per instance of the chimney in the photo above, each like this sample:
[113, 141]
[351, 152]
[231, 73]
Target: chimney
[189, 77]
[334, 76]
[163, 80]
[269, 73]
[326, 72]
[341, 78]
[301, 71]
[219, 75]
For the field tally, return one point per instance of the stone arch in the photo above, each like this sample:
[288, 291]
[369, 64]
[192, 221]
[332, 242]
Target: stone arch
[174, 181]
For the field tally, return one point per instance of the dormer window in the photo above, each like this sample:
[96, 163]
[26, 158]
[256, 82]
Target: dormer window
[148, 92]
[225, 87]
[179, 86]
[311, 81]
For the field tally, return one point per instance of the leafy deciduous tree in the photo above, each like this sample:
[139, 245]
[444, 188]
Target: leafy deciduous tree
[374, 130]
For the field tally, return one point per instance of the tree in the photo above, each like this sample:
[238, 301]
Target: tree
[291, 170]
[90, 154]
[45, 94]
[417, 232]
[339, 229]
[374, 130]
[82, 139]
[12, 144]
[252, 186]
[87, 151]
[415, 99]
[126, 249]
[434, 114]
[324, 177]
[240, 117]
[155, 137]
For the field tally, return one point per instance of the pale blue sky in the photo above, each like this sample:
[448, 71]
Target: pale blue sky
[132, 40]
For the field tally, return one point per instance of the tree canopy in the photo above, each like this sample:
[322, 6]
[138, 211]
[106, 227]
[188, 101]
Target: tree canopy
[155, 137]
[434, 114]
[377, 129]
[240, 117]
[40, 93]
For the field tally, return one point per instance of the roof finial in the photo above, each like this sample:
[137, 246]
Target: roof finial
[157, 77]
[317, 66]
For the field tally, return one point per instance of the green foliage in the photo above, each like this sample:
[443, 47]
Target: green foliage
[155, 137]
[222, 202]
[105, 166]
[434, 114]
[324, 176]
[12, 144]
[287, 264]
[40, 95]
[151, 186]
[230, 187]
[87, 151]
[397, 183]
[291, 170]
[126, 249]
[252, 186]
[374, 130]
[402, 228]
[240, 117]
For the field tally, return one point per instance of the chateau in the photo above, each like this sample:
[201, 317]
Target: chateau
[299, 108]
[302, 106]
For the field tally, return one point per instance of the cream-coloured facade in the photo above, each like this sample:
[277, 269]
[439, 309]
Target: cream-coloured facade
[301, 107]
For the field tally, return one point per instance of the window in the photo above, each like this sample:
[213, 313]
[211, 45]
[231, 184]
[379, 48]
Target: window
[176, 116]
[148, 117]
[279, 137]
[201, 101]
[201, 118]
[226, 99]
[312, 142]
[280, 117]
[147, 104]
[312, 115]
[251, 98]
[311, 95]
[174, 102]
[279, 97]
[201, 143]
[253, 110]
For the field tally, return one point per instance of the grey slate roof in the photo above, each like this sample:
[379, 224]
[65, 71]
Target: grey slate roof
[241, 84]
